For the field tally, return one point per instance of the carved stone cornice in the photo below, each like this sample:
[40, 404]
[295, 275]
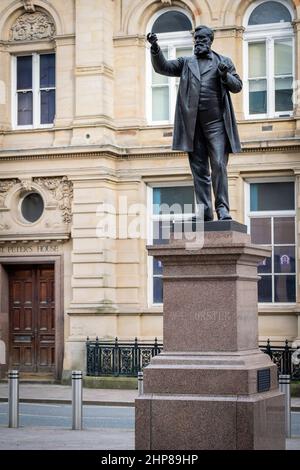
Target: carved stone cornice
[121, 154]
[124, 40]
[32, 26]
[229, 31]
[62, 192]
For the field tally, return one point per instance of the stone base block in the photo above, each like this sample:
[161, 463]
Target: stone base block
[216, 373]
[193, 422]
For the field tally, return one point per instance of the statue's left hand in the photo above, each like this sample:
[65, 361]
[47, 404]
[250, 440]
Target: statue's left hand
[223, 69]
[152, 38]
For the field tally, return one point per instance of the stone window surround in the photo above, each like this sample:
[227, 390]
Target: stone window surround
[268, 33]
[151, 219]
[272, 306]
[35, 91]
[171, 41]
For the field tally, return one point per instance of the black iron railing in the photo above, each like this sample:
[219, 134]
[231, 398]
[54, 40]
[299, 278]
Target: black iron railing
[282, 356]
[119, 358]
[128, 358]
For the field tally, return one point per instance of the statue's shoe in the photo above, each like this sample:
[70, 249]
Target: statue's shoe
[223, 214]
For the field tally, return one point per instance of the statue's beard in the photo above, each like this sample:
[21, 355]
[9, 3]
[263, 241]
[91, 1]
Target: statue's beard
[200, 50]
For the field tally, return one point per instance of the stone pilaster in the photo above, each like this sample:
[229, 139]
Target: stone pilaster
[5, 115]
[93, 63]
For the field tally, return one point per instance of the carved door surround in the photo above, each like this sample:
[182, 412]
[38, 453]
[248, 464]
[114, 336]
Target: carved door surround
[31, 317]
[6, 264]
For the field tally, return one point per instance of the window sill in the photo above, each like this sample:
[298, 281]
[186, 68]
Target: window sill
[158, 125]
[155, 308]
[260, 120]
[31, 129]
[269, 308]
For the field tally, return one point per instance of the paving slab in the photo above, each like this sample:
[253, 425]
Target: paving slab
[45, 438]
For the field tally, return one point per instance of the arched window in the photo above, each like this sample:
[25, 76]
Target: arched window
[269, 59]
[170, 22]
[173, 28]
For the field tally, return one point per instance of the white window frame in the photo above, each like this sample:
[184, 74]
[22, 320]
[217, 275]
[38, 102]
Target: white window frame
[156, 217]
[267, 33]
[169, 41]
[271, 214]
[36, 92]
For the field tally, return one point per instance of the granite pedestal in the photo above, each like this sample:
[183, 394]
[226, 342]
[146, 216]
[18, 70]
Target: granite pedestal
[211, 388]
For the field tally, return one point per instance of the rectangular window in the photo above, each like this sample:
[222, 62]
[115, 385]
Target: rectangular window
[272, 224]
[270, 77]
[168, 203]
[164, 89]
[35, 90]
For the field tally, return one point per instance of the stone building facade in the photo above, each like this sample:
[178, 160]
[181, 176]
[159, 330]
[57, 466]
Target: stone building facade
[85, 156]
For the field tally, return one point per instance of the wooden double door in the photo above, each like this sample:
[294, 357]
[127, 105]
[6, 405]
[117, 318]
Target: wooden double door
[32, 318]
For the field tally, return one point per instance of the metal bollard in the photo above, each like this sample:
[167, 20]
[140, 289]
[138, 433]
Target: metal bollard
[13, 399]
[285, 387]
[140, 383]
[77, 399]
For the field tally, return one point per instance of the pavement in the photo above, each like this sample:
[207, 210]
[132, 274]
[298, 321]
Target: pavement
[49, 438]
[49, 393]
[86, 439]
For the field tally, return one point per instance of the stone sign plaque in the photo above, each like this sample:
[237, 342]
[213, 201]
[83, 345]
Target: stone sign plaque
[30, 248]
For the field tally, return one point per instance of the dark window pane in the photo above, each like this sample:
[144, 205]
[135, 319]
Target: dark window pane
[174, 200]
[283, 94]
[24, 73]
[284, 230]
[157, 266]
[285, 289]
[265, 266]
[270, 12]
[157, 290]
[284, 259]
[272, 196]
[32, 207]
[258, 102]
[265, 289]
[47, 106]
[172, 21]
[25, 108]
[283, 100]
[47, 70]
[257, 96]
[161, 231]
[261, 230]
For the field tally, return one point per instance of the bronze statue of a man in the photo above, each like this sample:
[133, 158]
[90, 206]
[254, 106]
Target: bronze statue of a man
[205, 125]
